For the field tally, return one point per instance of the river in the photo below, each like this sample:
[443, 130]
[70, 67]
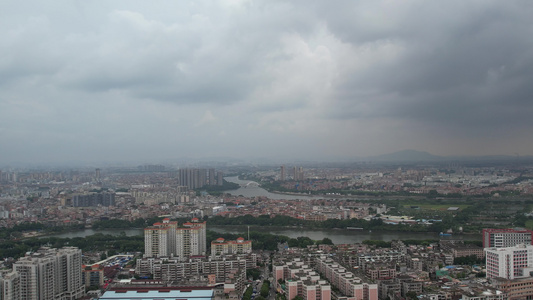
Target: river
[253, 190]
[344, 236]
[338, 236]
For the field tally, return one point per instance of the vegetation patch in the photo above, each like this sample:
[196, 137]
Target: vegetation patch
[440, 207]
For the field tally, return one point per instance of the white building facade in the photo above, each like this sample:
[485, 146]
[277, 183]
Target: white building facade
[509, 262]
[50, 274]
[167, 239]
[10, 285]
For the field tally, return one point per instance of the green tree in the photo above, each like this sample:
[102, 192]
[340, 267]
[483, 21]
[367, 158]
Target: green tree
[467, 260]
[379, 244]
[248, 293]
[254, 273]
[432, 194]
[411, 295]
[326, 241]
[265, 289]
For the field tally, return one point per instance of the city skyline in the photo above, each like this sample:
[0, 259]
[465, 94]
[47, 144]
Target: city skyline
[131, 81]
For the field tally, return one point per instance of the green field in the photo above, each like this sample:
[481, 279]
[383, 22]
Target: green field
[529, 224]
[440, 207]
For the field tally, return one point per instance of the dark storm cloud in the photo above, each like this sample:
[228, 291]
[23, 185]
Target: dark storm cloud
[453, 75]
[214, 59]
[461, 63]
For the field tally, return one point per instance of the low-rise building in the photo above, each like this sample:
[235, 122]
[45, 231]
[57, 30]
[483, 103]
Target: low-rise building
[92, 275]
[220, 270]
[355, 288]
[380, 271]
[224, 247]
[301, 280]
[158, 293]
[520, 288]
[468, 250]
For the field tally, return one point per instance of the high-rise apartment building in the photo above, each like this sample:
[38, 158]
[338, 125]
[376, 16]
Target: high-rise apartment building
[191, 239]
[509, 262]
[170, 239]
[220, 178]
[197, 178]
[50, 274]
[94, 199]
[298, 173]
[282, 175]
[212, 177]
[506, 237]
[9, 285]
[156, 241]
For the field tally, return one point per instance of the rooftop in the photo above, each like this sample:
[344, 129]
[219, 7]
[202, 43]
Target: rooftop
[159, 293]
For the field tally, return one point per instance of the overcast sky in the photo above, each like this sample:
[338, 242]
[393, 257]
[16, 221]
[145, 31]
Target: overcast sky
[157, 80]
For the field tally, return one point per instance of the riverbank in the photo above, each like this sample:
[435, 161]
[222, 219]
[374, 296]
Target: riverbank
[338, 236]
[292, 193]
[329, 196]
[258, 191]
[89, 231]
[346, 236]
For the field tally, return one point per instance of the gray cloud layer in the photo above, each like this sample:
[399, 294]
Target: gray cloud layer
[94, 80]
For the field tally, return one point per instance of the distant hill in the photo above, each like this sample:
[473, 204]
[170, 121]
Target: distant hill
[407, 155]
[422, 156]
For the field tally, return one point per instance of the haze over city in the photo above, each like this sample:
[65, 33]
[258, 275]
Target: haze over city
[84, 81]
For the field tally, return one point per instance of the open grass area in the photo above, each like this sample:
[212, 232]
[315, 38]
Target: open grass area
[529, 224]
[440, 207]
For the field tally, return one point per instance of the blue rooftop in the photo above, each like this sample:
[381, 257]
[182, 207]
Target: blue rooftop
[450, 267]
[159, 294]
